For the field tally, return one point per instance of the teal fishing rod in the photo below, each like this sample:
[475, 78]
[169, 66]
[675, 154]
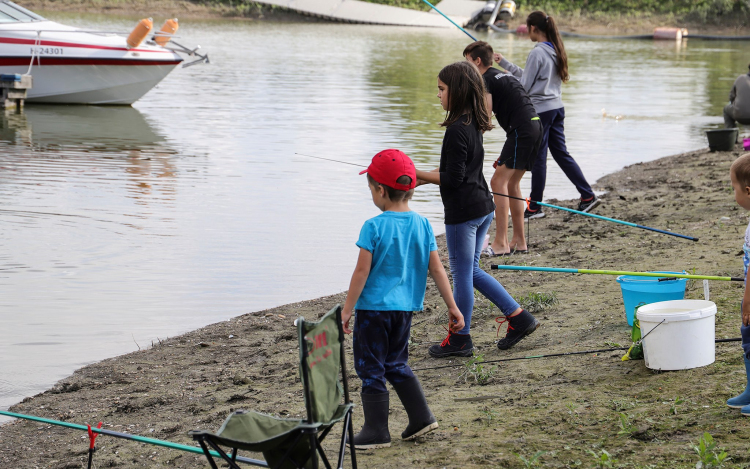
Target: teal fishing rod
[454, 23]
[127, 436]
[614, 272]
[599, 217]
[613, 220]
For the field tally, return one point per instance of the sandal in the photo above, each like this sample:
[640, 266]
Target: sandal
[489, 252]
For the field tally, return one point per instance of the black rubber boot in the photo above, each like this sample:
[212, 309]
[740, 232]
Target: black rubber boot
[374, 433]
[518, 327]
[421, 419]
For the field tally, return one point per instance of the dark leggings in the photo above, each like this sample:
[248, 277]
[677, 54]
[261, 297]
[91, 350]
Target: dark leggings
[381, 348]
[553, 138]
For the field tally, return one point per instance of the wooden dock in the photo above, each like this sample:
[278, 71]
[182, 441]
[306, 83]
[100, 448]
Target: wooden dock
[13, 89]
[356, 11]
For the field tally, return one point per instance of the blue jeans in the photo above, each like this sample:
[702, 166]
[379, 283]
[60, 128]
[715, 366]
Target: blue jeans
[381, 348]
[464, 246]
[745, 331]
[553, 137]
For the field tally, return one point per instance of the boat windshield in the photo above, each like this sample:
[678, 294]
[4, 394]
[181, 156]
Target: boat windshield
[12, 13]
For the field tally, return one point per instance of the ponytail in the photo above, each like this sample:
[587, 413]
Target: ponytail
[546, 24]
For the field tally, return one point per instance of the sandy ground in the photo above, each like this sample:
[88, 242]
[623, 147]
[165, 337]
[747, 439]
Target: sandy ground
[566, 406]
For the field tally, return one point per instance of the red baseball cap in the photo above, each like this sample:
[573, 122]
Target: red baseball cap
[389, 165]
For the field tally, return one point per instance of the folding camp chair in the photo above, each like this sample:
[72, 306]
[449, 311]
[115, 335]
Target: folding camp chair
[295, 443]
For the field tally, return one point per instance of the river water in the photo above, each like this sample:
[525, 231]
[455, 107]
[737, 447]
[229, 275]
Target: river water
[119, 226]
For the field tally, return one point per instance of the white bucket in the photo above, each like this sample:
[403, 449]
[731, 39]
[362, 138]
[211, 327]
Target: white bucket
[686, 338]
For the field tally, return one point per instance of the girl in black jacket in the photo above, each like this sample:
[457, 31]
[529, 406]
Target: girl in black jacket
[469, 209]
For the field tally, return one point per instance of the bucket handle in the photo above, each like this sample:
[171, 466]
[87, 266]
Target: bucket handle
[649, 332]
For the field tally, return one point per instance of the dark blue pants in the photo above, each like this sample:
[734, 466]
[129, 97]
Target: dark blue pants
[381, 348]
[745, 332]
[553, 138]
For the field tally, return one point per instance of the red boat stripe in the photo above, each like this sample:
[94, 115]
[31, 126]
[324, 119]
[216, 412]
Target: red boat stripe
[12, 40]
[47, 61]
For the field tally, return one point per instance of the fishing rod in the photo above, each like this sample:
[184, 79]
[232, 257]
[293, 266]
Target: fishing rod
[127, 436]
[454, 23]
[554, 355]
[614, 272]
[614, 220]
[335, 161]
[551, 355]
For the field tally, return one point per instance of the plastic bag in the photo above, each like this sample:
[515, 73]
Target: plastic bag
[635, 352]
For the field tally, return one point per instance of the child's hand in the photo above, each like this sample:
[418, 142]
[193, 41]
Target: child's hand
[455, 320]
[745, 313]
[346, 315]
[497, 56]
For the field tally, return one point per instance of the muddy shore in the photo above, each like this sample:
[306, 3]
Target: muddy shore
[567, 407]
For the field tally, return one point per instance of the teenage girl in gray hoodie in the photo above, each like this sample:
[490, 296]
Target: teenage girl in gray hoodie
[546, 70]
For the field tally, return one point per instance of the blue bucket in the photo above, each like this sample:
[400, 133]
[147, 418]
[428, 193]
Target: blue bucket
[644, 290]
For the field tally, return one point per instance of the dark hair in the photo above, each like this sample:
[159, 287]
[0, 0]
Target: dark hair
[546, 24]
[482, 50]
[394, 194]
[466, 93]
[741, 170]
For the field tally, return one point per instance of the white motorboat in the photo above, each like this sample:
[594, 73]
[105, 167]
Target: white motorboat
[75, 66]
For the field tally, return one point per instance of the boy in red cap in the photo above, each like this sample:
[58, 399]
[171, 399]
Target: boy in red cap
[397, 250]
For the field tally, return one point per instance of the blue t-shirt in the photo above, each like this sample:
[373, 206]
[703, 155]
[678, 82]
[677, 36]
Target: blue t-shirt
[400, 243]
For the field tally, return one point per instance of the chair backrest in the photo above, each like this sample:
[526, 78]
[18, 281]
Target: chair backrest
[320, 345]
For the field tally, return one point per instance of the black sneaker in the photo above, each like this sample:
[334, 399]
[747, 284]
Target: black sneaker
[586, 205]
[454, 345]
[518, 327]
[531, 214]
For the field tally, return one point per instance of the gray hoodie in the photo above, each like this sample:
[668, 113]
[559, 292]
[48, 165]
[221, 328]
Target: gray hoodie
[540, 78]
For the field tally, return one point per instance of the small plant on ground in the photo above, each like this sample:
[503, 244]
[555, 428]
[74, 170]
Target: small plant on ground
[573, 412]
[691, 285]
[707, 452]
[535, 302]
[603, 458]
[673, 408]
[532, 461]
[626, 426]
[488, 413]
[621, 405]
[476, 369]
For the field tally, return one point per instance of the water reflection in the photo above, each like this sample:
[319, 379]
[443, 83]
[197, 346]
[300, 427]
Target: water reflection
[108, 129]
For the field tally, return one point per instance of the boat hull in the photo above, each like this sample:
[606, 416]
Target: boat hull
[92, 84]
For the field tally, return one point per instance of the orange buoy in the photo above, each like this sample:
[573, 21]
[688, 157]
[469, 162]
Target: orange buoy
[522, 30]
[167, 30]
[140, 32]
